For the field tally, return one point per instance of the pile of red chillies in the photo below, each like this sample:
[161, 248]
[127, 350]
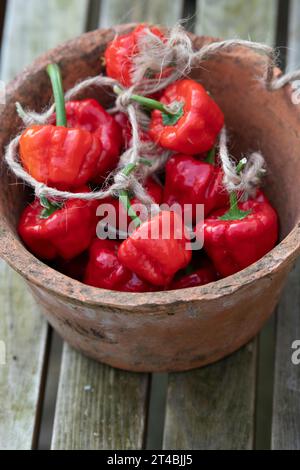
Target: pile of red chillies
[82, 145]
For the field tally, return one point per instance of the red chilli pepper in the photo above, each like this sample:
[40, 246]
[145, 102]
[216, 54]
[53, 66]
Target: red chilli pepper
[55, 231]
[105, 271]
[190, 181]
[157, 249]
[90, 116]
[58, 156]
[119, 53]
[198, 277]
[241, 236]
[195, 125]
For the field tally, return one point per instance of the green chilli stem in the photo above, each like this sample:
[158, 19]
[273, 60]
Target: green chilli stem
[234, 213]
[54, 73]
[124, 198]
[147, 102]
[211, 156]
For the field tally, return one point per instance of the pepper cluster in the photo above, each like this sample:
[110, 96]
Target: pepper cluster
[82, 144]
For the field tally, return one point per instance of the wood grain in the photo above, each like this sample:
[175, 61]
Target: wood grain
[24, 334]
[99, 407]
[286, 404]
[40, 25]
[164, 12]
[213, 407]
[252, 19]
[28, 31]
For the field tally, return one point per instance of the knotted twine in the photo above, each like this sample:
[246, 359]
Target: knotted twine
[153, 56]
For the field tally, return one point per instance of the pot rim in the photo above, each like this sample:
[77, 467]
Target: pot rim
[34, 270]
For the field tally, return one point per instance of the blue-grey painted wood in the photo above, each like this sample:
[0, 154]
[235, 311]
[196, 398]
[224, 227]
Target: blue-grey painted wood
[286, 404]
[165, 12]
[30, 28]
[251, 19]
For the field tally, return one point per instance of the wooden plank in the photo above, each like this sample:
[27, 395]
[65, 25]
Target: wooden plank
[24, 333]
[126, 11]
[252, 19]
[2, 16]
[213, 407]
[98, 408]
[29, 30]
[37, 26]
[286, 404]
[293, 53]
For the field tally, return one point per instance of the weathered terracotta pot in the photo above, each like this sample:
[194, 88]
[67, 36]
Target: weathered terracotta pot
[187, 328]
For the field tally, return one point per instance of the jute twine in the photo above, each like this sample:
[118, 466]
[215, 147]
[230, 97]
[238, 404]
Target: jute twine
[153, 56]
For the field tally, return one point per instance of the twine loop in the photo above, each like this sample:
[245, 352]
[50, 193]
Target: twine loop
[249, 178]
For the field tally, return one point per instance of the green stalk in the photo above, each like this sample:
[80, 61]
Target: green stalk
[147, 102]
[54, 73]
[53, 70]
[211, 156]
[124, 198]
[234, 212]
[170, 116]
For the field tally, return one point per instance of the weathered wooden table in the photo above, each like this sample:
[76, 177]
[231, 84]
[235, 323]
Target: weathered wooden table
[249, 400]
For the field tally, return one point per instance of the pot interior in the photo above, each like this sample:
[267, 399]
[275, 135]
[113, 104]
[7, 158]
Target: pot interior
[256, 118]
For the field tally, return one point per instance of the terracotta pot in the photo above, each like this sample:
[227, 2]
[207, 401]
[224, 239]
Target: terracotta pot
[182, 329]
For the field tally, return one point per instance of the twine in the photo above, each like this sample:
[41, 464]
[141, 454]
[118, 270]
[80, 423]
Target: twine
[154, 55]
[249, 178]
[177, 54]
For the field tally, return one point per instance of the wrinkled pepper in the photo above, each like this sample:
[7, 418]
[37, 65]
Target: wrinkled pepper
[192, 181]
[200, 276]
[236, 238]
[119, 53]
[195, 122]
[56, 230]
[90, 116]
[104, 270]
[157, 249]
[58, 156]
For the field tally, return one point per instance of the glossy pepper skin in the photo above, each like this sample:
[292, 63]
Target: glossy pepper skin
[119, 53]
[192, 181]
[202, 275]
[105, 271]
[157, 249]
[65, 158]
[64, 234]
[90, 116]
[235, 244]
[198, 127]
